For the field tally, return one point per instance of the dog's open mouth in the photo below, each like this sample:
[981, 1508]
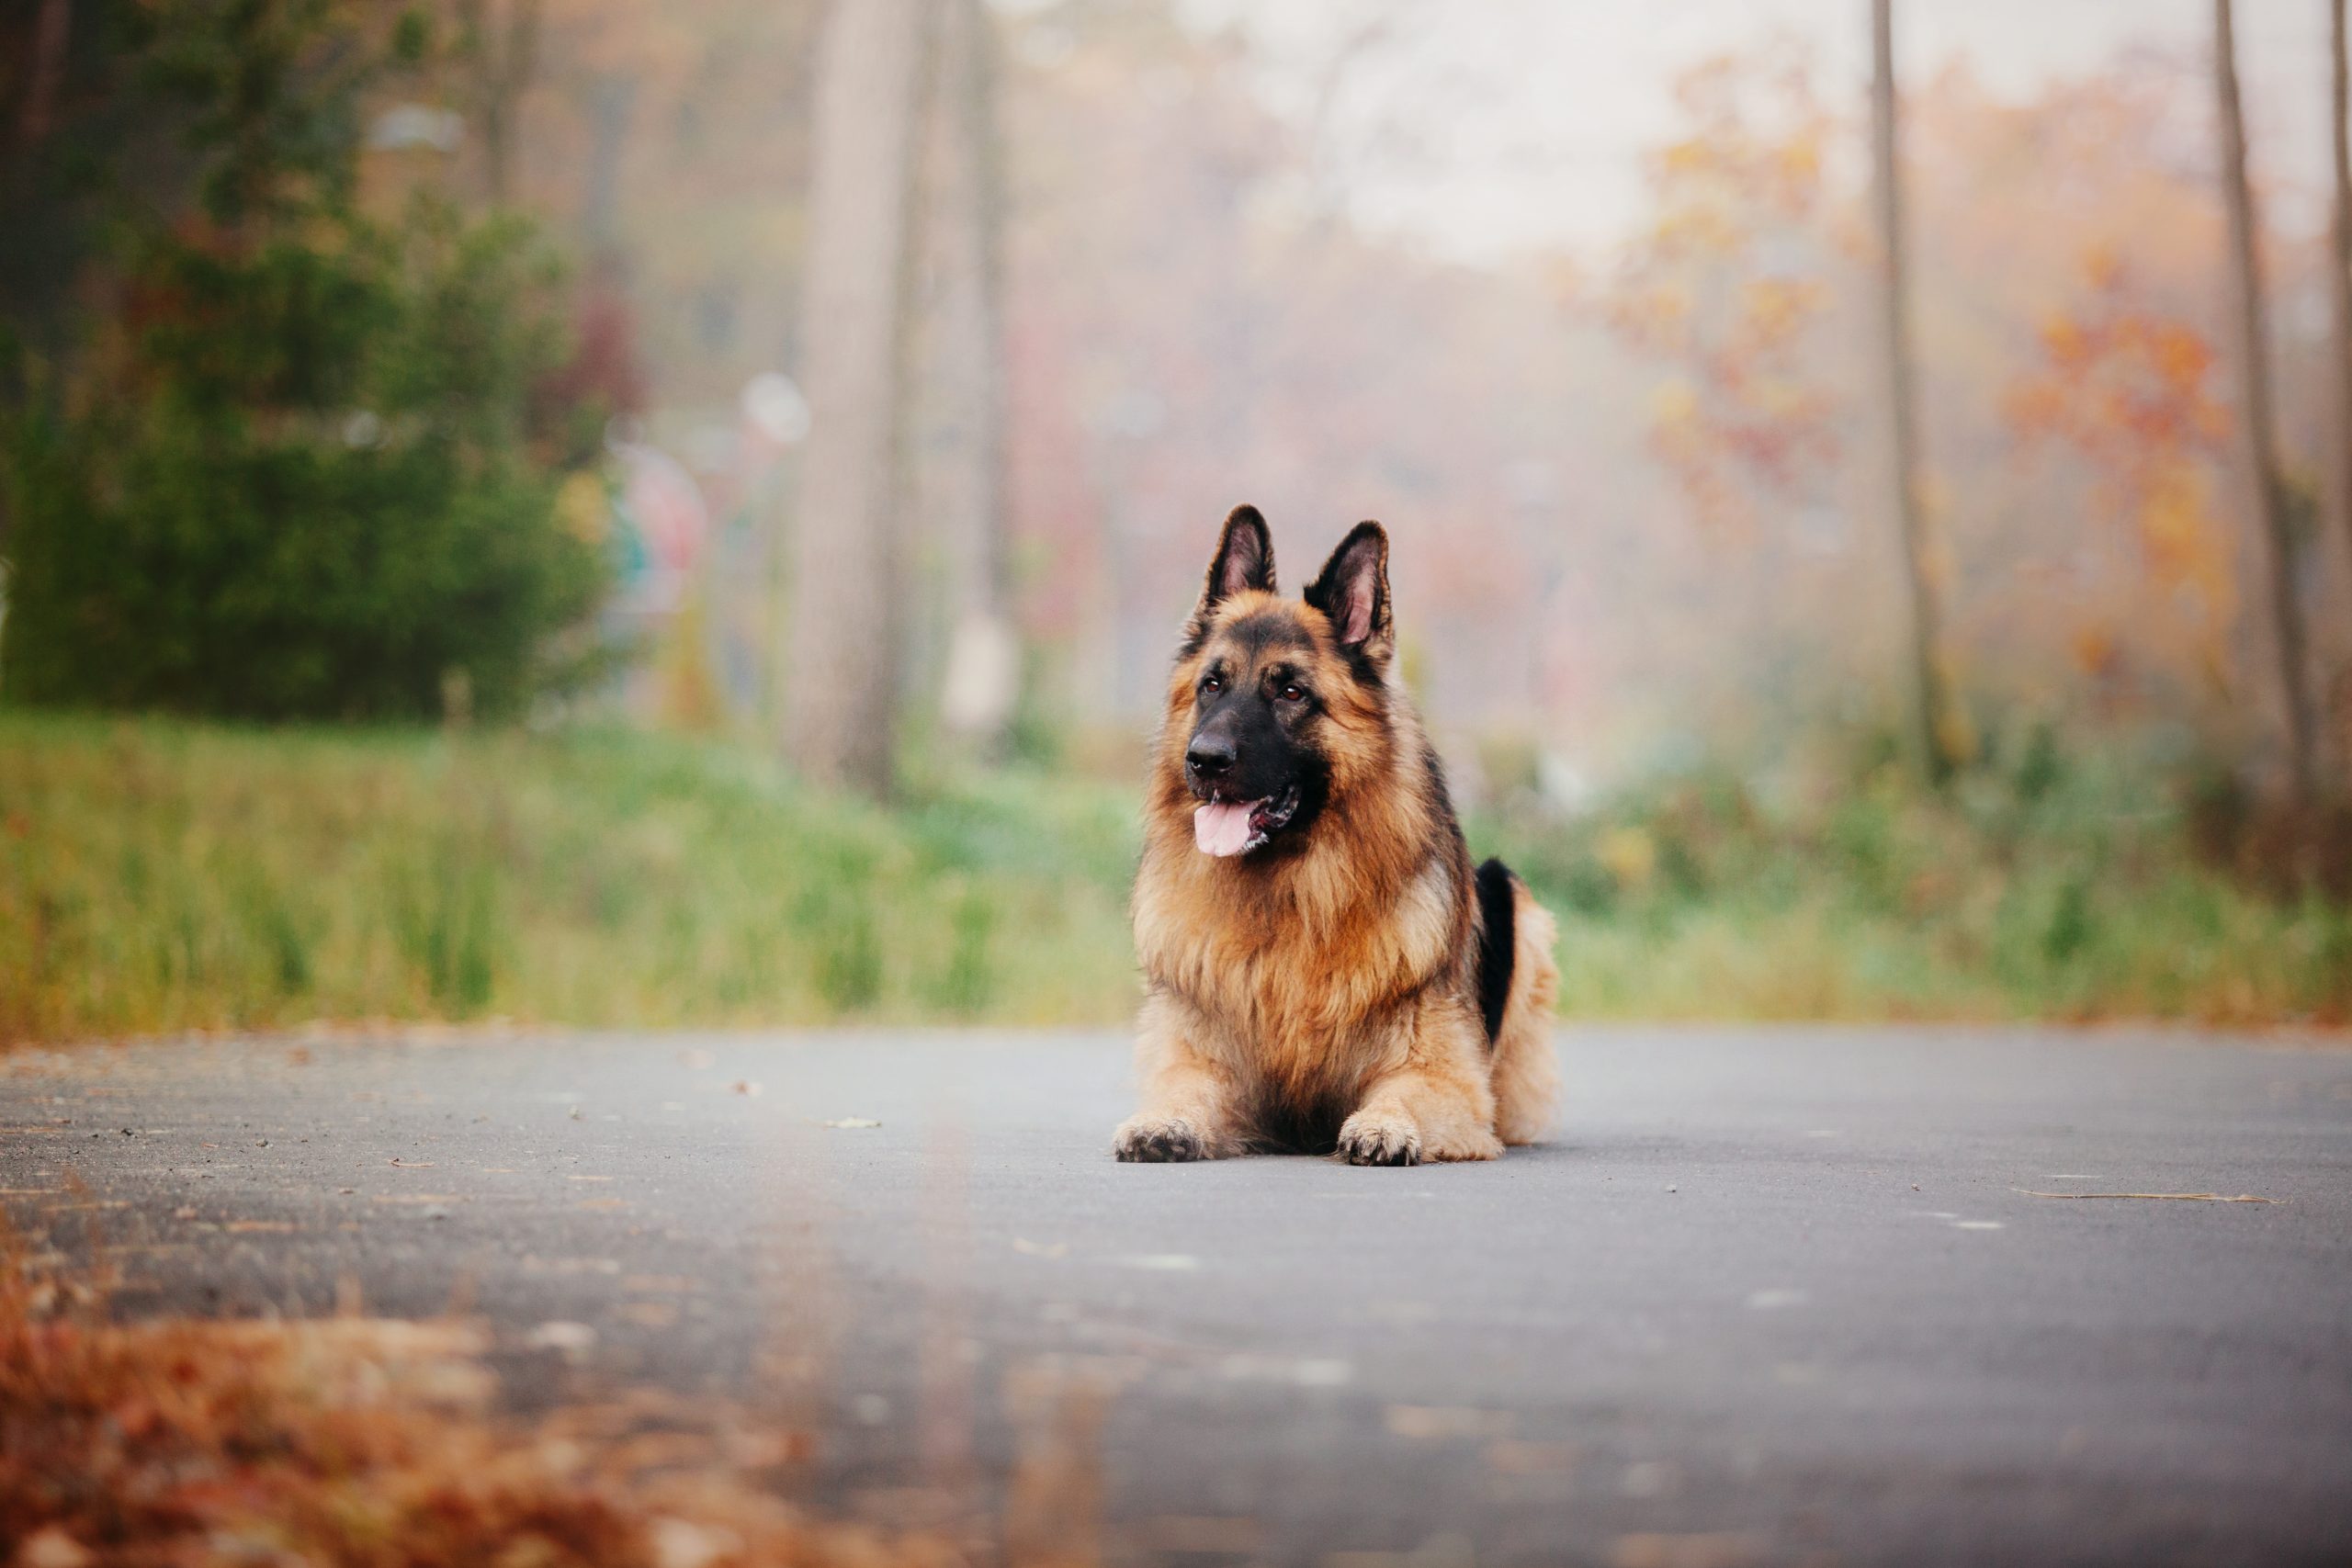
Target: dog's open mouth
[1237, 827]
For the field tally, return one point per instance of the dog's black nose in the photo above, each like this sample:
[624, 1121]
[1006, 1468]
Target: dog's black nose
[1209, 756]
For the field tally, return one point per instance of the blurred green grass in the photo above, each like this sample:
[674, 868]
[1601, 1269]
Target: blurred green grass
[2059, 888]
[158, 876]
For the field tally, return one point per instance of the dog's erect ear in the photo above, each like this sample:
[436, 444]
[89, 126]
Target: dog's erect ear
[1353, 592]
[1245, 559]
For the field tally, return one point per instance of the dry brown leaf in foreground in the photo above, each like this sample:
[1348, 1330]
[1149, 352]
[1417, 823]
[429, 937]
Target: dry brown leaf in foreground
[363, 1442]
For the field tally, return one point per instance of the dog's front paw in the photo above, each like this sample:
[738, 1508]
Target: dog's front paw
[1374, 1138]
[1154, 1140]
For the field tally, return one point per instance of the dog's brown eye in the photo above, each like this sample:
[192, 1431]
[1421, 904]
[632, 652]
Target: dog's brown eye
[1294, 693]
[1212, 683]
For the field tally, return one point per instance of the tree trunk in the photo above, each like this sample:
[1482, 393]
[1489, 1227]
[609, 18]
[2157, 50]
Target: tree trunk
[983, 666]
[840, 692]
[1938, 731]
[612, 97]
[46, 68]
[504, 54]
[2262, 459]
[2339, 273]
[42, 317]
[2339, 278]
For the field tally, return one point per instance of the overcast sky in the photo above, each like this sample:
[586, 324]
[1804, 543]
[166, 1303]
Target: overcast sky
[1524, 120]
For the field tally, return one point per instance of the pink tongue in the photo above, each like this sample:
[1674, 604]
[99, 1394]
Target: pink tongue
[1222, 827]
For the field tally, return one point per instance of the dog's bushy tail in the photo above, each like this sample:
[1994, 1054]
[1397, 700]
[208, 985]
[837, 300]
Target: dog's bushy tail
[1518, 983]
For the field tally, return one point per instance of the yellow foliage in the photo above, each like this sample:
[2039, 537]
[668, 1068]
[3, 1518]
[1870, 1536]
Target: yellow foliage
[584, 507]
[1674, 403]
[2063, 340]
[1684, 157]
[1629, 855]
[1800, 157]
[2188, 549]
[2093, 646]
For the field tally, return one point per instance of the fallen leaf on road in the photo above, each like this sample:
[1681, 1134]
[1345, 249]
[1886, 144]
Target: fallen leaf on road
[649, 1315]
[745, 1087]
[568, 1338]
[1207, 1534]
[2161, 1197]
[1513, 1456]
[413, 1164]
[533, 1264]
[1429, 1423]
[1715, 1549]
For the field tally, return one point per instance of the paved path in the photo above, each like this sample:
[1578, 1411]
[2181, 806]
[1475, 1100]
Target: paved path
[1773, 1296]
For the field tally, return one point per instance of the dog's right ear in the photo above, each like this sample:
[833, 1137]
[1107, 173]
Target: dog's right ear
[1244, 560]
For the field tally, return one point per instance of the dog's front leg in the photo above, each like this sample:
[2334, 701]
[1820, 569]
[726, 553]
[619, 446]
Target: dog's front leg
[1434, 1104]
[1188, 1108]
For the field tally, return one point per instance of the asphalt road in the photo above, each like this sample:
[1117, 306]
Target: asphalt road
[1771, 1296]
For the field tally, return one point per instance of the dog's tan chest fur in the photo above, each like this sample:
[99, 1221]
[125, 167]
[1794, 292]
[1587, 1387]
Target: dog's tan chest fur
[1305, 979]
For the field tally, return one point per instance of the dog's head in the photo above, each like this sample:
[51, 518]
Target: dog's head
[1282, 706]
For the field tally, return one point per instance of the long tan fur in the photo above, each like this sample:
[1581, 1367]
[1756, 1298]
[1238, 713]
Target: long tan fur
[1335, 986]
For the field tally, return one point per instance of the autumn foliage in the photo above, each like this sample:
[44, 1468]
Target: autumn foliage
[363, 1442]
[1727, 288]
[2130, 391]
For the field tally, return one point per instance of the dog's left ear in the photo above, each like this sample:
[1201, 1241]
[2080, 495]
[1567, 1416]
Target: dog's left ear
[1244, 561]
[1353, 592]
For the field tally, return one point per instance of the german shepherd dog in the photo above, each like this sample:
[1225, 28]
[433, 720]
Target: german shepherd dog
[1323, 970]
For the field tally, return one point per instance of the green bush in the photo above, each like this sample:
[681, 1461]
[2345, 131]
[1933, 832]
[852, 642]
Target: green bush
[324, 504]
[303, 463]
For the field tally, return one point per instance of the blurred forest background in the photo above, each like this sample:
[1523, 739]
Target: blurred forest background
[584, 512]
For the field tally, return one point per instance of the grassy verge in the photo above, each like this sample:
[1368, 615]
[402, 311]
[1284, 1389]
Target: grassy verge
[157, 876]
[2061, 890]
